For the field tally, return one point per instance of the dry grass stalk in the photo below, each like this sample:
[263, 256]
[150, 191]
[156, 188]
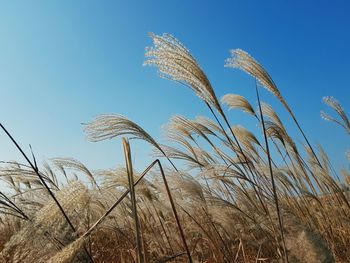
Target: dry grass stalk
[285, 255]
[128, 163]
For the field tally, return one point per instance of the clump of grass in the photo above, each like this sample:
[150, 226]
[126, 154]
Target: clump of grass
[228, 195]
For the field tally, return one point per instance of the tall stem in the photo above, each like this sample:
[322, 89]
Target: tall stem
[272, 177]
[129, 169]
[182, 234]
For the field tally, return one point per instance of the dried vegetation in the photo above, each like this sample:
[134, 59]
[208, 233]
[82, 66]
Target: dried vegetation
[218, 192]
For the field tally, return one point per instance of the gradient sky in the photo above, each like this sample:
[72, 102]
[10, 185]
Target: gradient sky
[64, 62]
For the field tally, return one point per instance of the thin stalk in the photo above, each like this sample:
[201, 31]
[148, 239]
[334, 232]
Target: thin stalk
[13, 206]
[303, 134]
[272, 177]
[175, 212]
[129, 169]
[258, 193]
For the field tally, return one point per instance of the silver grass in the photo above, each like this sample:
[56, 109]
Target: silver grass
[275, 131]
[47, 170]
[327, 117]
[334, 104]
[174, 153]
[210, 124]
[235, 101]
[189, 185]
[268, 111]
[242, 60]
[195, 158]
[248, 140]
[191, 129]
[70, 163]
[112, 125]
[68, 253]
[113, 178]
[18, 173]
[217, 171]
[48, 223]
[346, 176]
[183, 143]
[246, 137]
[304, 244]
[188, 127]
[216, 200]
[205, 157]
[109, 126]
[175, 130]
[175, 62]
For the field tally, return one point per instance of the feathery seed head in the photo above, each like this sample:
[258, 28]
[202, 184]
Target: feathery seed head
[242, 60]
[175, 62]
[334, 104]
[235, 101]
[109, 126]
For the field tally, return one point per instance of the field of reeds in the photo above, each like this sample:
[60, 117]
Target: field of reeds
[215, 192]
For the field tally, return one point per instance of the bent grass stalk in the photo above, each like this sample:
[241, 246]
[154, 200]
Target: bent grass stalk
[129, 169]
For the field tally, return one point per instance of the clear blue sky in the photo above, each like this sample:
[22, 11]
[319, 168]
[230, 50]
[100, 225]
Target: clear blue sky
[64, 62]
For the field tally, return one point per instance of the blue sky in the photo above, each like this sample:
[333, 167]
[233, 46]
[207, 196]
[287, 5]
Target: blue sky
[64, 62]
